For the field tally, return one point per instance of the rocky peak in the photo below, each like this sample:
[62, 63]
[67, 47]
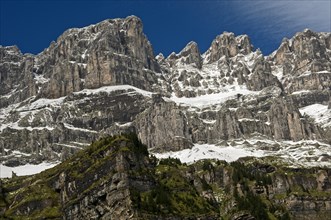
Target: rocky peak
[112, 52]
[303, 63]
[160, 57]
[304, 51]
[227, 45]
[10, 58]
[244, 44]
[121, 36]
[10, 53]
[191, 55]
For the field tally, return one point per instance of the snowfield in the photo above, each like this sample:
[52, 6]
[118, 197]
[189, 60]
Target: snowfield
[320, 113]
[305, 153]
[109, 89]
[209, 151]
[212, 99]
[28, 169]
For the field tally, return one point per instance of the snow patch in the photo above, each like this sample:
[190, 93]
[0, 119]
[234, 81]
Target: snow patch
[42, 103]
[300, 92]
[71, 127]
[28, 169]
[40, 79]
[109, 89]
[212, 99]
[209, 151]
[320, 113]
[305, 153]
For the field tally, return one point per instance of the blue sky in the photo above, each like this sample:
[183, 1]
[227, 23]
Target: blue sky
[169, 25]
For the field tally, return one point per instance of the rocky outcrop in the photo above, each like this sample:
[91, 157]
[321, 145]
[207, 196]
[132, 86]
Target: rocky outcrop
[111, 179]
[108, 53]
[228, 45]
[111, 52]
[16, 80]
[310, 97]
[261, 76]
[287, 122]
[164, 126]
[189, 55]
[87, 196]
[305, 61]
[54, 129]
[306, 51]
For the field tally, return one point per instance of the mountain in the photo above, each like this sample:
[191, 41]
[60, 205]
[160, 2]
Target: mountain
[116, 178]
[104, 80]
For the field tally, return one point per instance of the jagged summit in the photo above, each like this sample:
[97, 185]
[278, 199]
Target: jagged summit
[190, 54]
[227, 45]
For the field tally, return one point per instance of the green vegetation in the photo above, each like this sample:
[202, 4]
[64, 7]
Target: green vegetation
[242, 172]
[173, 194]
[252, 203]
[37, 193]
[175, 162]
[249, 177]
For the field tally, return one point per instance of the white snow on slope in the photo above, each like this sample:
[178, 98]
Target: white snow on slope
[212, 99]
[35, 106]
[320, 113]
[40, 79]
[109, 89]
[41, 103]
[209, 151]
[301, 92]
[277, 71]
[28, 169]
[305, 153]
[71, 127]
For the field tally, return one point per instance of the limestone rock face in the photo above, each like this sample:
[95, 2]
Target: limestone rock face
[228, 45]
[164, 126]
[261, 76]
[104, 79]
[100, 202]
[54, 129]
[189, 55]
[287, 122]
[305, 61]
[108, 53]
[305, 47]
[11, 58]
[16, 80]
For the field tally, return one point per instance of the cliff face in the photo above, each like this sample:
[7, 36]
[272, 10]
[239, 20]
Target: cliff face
[115, 178]
[109, 53]
[104, 79]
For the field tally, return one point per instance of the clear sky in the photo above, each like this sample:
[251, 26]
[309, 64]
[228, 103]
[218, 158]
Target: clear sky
[169, 25]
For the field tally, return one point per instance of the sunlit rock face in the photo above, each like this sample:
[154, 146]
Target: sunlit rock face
[104, 79]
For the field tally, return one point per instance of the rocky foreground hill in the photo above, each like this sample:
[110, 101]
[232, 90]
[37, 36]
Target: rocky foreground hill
[116, 178]
[104, 79]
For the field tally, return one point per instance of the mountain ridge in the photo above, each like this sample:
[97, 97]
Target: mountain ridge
[60, 100]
